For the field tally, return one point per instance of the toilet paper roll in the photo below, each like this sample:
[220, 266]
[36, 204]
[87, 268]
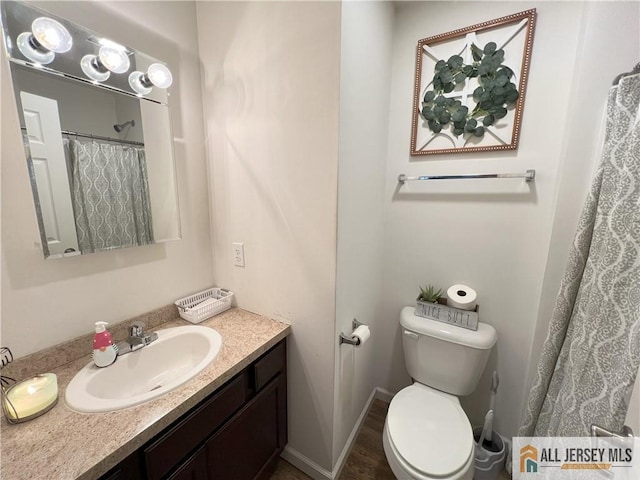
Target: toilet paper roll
[462, 297]
[363, 333]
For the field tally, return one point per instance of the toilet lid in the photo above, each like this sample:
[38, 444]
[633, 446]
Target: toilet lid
[430, 431]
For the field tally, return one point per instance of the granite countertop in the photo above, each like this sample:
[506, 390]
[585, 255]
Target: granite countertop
[63, 444]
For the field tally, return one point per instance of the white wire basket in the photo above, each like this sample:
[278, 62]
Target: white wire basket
[202, 305]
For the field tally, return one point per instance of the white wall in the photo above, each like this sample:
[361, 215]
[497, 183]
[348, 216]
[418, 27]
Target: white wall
[365, 78]
[270, 76]
[492, 235]
[45, 302]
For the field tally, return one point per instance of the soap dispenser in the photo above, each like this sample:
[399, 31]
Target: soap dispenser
[104, 351]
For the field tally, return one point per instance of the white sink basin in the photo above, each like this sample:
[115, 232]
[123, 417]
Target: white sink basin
[177, 355]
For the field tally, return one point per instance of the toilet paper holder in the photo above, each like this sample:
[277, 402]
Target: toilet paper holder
[351, 340]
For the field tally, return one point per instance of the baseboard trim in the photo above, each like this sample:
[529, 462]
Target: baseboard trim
[337, 469]
[383, 394]
[305, 464]
[315, 471]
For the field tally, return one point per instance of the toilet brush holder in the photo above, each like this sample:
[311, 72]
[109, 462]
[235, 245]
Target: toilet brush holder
[494, 452]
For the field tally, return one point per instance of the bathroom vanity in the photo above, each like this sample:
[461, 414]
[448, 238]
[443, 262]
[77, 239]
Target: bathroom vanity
[237, 432]
[229, 421]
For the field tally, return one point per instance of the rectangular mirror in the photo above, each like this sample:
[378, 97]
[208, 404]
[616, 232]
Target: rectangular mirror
[98, 143]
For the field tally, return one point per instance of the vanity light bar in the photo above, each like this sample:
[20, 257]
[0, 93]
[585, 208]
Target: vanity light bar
[43, 38]
[529, 176]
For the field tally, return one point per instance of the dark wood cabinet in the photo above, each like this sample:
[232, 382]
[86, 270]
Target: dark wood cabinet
[237, 433]
[129, 469]
[194, 468]
[168, 449]
[229, 452]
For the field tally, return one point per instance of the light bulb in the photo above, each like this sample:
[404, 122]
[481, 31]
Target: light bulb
[157, 74]
[114, 59]
[135, 82]
[47, 37]
[52, 35]
[160, 75]
[34, 53]
[93, 69]
[105, 42]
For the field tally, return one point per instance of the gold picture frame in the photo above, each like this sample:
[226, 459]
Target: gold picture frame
[482, 68]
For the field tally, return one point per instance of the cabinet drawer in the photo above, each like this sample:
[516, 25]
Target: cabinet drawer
[166, 452]
[269, 365]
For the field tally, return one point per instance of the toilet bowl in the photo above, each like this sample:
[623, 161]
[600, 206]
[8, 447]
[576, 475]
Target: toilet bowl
[428, 436]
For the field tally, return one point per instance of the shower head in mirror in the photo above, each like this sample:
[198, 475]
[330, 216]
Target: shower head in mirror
[47, 37]
[118, 127]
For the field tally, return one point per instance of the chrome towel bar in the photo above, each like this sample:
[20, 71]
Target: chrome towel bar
[529, 176]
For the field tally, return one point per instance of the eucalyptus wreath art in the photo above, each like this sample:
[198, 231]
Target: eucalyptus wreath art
[470, 84]
[495, 93]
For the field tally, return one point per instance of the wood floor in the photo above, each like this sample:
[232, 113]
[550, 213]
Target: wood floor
[366, 460]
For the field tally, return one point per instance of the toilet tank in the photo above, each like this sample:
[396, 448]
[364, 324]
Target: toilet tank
[442, 356]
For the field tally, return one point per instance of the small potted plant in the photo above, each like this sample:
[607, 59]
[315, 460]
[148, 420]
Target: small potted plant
[429, 294]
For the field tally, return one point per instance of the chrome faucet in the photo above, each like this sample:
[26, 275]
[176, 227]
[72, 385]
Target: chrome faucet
[138, 338]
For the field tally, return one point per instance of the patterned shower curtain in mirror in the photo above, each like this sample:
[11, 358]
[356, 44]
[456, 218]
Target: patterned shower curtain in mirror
[591, 355]
[110, 193]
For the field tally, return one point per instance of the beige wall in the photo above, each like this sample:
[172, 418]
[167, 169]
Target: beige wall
[365, 77]
[270, 75]
[492, 235]
[513, 242]
[45, 302]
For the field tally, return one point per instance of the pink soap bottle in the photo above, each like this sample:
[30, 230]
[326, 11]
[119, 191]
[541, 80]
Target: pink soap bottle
[104, 351]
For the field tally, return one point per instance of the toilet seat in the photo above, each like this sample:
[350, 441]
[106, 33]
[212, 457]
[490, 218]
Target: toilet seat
[429, 433]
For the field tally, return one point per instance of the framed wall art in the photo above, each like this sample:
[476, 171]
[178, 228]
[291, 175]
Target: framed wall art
[470, 87]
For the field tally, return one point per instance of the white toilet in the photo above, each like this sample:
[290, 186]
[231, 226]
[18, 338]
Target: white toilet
[427, 435]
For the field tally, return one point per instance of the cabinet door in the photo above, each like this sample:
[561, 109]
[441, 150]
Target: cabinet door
[250, 443]
[168, 450]
[195, 468]
[129, 469]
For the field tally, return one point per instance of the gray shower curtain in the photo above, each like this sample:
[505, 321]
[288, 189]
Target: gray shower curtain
[592, 352]
[110, 193]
